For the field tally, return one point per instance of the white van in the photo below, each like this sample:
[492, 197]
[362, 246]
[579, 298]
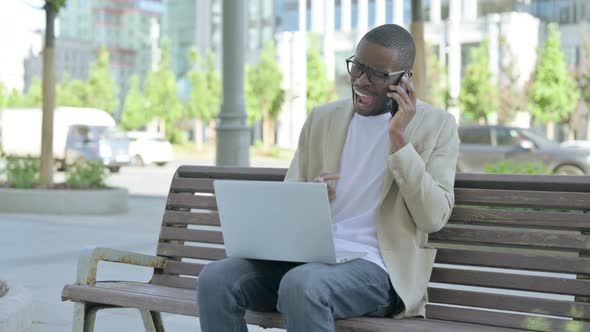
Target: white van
[78, 133]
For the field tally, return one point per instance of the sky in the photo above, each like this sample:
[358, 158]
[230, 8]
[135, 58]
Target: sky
[18, 20]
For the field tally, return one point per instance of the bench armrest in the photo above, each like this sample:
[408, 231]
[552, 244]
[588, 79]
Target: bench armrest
[88, 262]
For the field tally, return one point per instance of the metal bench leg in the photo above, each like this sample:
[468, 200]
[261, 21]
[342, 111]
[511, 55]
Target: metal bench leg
[152, 321]
[84, 317]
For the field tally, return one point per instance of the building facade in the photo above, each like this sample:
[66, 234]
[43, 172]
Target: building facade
[128, 29]
[198, 23]
[72, 59]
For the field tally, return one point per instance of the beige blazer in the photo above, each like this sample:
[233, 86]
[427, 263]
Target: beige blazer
[417, 194]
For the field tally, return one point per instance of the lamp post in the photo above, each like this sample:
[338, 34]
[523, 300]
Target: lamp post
[233, 133]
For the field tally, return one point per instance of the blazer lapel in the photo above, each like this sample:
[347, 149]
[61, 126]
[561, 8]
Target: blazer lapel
[337, 132]
[412, 126]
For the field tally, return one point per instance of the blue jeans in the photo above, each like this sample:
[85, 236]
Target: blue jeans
[310, 296]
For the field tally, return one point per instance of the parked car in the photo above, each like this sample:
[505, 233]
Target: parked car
[146, 148]
[485, 145]
[98, 143]
[575, 144]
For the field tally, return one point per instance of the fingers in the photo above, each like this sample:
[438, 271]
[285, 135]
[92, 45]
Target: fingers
[331, 193]
[411, 90]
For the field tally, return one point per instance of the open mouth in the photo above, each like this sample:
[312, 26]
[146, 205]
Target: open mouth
[364, 100]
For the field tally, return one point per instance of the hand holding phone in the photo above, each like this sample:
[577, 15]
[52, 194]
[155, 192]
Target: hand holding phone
[392, 105]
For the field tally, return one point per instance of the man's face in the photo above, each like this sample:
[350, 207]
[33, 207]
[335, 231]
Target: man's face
[370, 98]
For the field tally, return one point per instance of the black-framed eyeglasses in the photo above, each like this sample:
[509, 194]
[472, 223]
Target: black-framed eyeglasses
[377, 77]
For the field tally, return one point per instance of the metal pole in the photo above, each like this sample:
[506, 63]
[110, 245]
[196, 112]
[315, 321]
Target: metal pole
[233, 134]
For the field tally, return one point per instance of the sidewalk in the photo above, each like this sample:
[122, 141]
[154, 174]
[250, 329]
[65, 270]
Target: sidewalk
[40, 253]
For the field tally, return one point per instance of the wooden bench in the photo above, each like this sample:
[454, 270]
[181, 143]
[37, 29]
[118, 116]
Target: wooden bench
[514, 256]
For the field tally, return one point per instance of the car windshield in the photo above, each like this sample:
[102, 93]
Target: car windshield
[539, 140]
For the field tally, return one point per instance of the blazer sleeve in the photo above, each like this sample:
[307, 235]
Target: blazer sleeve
[297, 172]
[428, 188]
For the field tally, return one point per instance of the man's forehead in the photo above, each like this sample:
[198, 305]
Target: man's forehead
[377, 56]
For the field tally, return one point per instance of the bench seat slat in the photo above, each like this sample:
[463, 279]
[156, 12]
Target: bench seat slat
[182, 251]
[171, 280]
[524, 219]
[191, 218]
[193, 235]
[502, 319]
[509, 302]
[190, 201]
[523, 199]
[172, 300]
[520, 238]
[516, 261]
[511, 281]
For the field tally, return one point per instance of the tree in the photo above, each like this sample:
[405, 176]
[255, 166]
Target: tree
[553, 94]
[420, 67]
[72, 92]
[583, 75]
[102, 90]
[161, 95]
[264, 86]
[205, 96]
[437, 84]
[320, 89]
[477, 98]
[51, 7]
[512, 98]
[134, 115]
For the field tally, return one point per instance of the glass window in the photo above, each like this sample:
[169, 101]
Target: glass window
[507, 137]
[475, 135]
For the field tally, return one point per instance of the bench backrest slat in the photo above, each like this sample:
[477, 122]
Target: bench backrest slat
[574, 221]
[522, 199]
[512, 238]
[508, 234]
[520, 261]
[208, 218]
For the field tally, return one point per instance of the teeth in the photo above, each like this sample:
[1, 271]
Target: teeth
[360, 94]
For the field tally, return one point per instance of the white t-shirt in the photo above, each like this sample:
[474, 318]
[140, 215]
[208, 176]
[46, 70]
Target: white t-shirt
[362, 167]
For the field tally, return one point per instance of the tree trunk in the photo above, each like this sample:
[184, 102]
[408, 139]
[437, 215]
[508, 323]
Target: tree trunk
[417, 31]
[212, 132]
[273, 126]
[198, 134]
[46, 167]
[551, 130]
[267, 133]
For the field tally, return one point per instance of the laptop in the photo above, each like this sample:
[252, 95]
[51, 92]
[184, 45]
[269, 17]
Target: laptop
[280, 221]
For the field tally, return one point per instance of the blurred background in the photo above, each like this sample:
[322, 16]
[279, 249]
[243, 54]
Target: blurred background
[138, 82]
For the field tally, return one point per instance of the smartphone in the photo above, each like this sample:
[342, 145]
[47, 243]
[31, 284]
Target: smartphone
[392, 105]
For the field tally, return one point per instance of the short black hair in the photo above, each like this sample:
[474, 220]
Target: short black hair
[396, 38]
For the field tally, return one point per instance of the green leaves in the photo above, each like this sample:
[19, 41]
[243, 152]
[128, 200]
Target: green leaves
[102, 90]
[553, 95]
[205, 97]
[320, 89]
[134, 115]
[161, 93]
[263, 85]
[86, 174]
[478, 96]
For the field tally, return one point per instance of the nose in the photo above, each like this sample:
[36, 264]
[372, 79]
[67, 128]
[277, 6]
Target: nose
[363, 80]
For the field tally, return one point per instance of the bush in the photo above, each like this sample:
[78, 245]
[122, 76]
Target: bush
[85, 174]
[510, 167]
[22, 172]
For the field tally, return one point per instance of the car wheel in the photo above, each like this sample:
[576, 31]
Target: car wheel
[114, 169]
[138, 161]
[568, 170]
[161, 164]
